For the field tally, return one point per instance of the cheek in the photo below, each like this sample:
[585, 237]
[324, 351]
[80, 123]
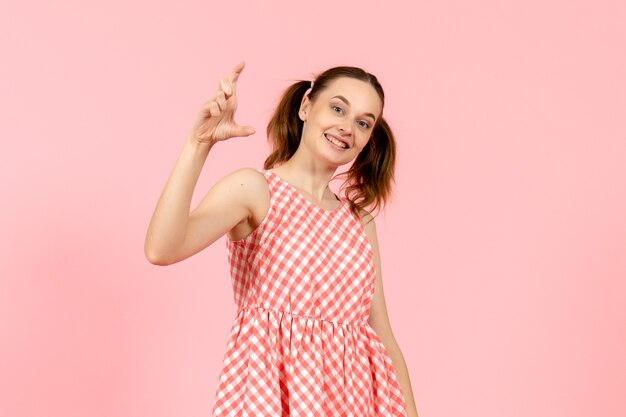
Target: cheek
[361, 142]
[363, 138]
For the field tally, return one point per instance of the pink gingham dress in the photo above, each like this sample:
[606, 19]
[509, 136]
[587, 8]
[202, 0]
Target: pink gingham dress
[300, 344]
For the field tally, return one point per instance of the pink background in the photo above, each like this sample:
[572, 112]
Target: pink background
[503, 252]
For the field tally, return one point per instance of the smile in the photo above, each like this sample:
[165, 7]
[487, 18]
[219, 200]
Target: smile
[336, 143]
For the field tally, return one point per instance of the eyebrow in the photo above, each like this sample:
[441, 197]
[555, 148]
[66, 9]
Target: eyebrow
[345, 100]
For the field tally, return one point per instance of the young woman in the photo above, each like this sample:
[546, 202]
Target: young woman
[312, 336]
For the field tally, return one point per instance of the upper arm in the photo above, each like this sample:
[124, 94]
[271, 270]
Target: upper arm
[379, 317]
[227, 203]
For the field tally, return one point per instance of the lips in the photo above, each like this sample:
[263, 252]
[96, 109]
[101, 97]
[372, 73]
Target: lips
[348, 145]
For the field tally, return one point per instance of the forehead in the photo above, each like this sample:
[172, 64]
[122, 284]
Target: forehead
[362, 96]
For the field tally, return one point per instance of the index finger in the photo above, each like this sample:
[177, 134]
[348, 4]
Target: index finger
[234, 76]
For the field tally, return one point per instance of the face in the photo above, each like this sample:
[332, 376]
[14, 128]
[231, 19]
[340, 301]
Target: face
[338, 123]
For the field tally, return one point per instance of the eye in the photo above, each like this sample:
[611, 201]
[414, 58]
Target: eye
[364, 124]
[337, 109]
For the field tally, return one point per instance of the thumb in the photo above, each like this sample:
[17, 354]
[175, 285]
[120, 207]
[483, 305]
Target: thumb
[243, 130]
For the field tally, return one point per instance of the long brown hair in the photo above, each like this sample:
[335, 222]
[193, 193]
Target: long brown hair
[369, 179]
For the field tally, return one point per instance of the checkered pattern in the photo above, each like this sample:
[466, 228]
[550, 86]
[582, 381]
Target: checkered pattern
[300, 344]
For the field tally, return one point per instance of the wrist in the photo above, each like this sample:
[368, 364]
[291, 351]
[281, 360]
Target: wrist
[200, 145]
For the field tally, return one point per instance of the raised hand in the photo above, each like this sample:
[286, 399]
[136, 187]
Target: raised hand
[216, 119]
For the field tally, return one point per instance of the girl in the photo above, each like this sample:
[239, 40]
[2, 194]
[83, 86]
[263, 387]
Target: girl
[311, 336]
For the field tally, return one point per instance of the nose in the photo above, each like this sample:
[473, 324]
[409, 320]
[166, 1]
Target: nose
[345, 130]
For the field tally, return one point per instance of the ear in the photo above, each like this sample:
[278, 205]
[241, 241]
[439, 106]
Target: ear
[305, 106]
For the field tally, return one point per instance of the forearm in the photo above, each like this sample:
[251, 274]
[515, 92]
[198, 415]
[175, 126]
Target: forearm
[168, 225]
[403, 376]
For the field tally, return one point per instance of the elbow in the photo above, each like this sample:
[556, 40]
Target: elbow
[155, 258]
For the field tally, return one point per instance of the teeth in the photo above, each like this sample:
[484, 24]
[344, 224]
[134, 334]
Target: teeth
[335, 141]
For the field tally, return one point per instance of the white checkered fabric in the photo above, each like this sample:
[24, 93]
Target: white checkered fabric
[300, 344]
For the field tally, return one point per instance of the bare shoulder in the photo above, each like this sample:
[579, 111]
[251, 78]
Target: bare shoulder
[246, 173]
[367, 220]
[235, 191]
[251, 190]
[247, 184]
[250, 180]
[369, 225]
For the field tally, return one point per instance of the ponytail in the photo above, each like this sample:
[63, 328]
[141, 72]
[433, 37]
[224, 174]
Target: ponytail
[371, 175]
[284, 129]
